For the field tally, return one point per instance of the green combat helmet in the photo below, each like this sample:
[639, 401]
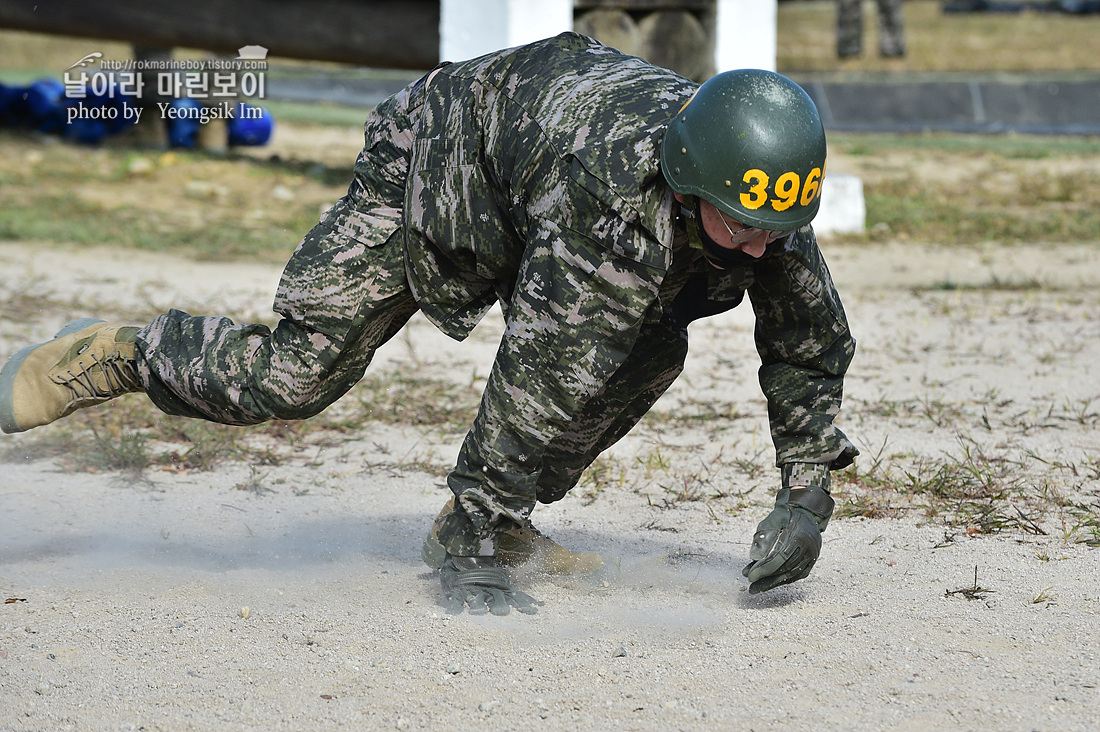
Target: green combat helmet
[751, 143]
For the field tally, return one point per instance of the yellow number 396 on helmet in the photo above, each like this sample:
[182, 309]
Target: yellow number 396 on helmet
[751, 143]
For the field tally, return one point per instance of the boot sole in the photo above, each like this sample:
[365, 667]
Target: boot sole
[7, 374]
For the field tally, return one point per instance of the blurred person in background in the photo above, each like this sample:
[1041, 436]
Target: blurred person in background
[849, 28]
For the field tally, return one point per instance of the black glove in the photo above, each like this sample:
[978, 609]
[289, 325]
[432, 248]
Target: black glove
[478, 582]
[787, 542]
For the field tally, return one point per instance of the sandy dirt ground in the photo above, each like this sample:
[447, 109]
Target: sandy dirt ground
[127, 594]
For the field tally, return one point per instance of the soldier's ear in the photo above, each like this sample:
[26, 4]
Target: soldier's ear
[679, 197]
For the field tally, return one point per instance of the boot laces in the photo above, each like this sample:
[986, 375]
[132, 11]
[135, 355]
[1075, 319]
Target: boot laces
[119, 374]
[527, 532]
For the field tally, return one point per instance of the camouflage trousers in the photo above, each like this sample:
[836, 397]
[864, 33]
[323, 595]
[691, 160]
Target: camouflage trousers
[345, 292]
[849, 28]
[211, 368]
[346, 301]
[495, 494]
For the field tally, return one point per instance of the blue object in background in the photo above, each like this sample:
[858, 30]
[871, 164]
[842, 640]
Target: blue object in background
[250, 125]
[43, 106]
[89, 119]
[13, 106]
[184, 123]
[116, 110]
[87, 131]
[45, 101]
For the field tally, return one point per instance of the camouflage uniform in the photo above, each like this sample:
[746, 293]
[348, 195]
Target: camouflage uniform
[530, 178]
[849, 28]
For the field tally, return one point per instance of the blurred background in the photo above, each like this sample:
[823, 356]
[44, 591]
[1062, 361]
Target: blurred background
[962, 121]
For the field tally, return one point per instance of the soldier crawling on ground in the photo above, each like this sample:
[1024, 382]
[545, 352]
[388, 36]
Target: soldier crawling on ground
[605, 204]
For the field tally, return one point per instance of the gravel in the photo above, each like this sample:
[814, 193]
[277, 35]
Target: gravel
[176, 601]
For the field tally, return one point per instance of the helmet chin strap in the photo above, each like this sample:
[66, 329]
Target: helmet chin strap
[716, 254]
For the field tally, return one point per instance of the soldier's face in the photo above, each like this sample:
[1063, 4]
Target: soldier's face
[723, 229]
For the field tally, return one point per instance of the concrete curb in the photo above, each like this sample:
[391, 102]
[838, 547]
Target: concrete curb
[1027, 105]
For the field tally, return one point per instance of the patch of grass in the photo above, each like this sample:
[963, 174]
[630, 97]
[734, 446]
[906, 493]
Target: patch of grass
[654, 463]
[940, 413]
[974, 491]
[911, 208]
[961, 189]
[402, 398]
[966, 189]
[254, 483]
[117, 449]
[334, 176]
[207, 206]
[692, 413]
[130, 434]
[883, 406]
[318, 114]
[865, 493]
[752, 467]
[604, 472]
[1082, 524]
[1070, 413]
[39, 219]
[66, 220]
[654, 525]
[203, 445]
[714, 480]
[686, 489]
[1044, 595]
[221, 207]
[871, 505]
[1008, 147]
[985, 494]
[411, 462]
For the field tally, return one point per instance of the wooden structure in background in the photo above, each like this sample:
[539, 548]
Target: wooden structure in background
[379, 33]
[677, 34]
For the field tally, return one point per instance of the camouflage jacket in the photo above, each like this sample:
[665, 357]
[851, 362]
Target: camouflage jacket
[565, 130]
[514, 163]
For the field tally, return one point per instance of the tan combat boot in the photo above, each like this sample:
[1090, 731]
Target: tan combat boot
[88, 362]
[518, 546]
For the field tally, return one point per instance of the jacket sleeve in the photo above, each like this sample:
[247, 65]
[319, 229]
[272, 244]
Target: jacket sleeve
[805, 348]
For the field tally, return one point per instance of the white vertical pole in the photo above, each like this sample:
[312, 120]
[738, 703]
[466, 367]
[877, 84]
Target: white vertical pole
[745, 35]
[469, 28]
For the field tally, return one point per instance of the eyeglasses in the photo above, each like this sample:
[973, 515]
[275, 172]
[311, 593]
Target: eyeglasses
[748, 233]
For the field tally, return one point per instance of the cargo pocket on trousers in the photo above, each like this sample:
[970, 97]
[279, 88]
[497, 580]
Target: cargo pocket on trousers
[351, 256]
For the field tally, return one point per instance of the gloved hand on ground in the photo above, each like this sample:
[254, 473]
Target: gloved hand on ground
[483, 586]
[787, 542]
